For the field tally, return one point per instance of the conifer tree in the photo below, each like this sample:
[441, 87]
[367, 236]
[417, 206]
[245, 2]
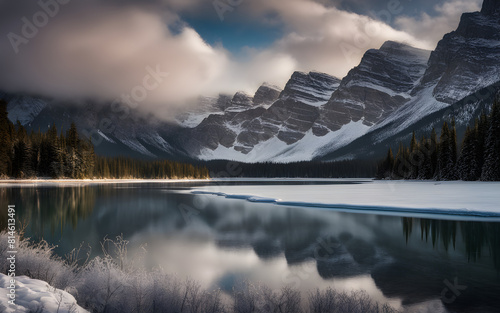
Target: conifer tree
[481, 133]
[6, 134]
[434, 153]
[446, 156]
[425, 169]
[385, 168]
[491, 167]
[453, 143]
[452, 165]
[467, 166]
[400, 169]
[72, 136]
[21, 163]
[415, 158]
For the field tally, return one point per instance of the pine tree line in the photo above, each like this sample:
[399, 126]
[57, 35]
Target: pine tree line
[122, 167]
[68, 155]
[38, 154]
[430, 158]
[305, 169]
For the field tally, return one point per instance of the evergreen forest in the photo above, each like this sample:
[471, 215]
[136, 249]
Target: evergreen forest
[477, 158]
[68, 155]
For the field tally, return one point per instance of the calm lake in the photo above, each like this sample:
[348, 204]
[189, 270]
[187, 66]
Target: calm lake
[415, 263]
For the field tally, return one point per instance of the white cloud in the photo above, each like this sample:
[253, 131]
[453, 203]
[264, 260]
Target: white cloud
[106, 54]
[321, 38]
[432, 28]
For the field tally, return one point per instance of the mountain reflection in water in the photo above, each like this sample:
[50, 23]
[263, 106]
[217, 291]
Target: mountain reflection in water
[223, 241]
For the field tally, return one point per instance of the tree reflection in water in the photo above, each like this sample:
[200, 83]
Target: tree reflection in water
[39, 208]
[476, 236]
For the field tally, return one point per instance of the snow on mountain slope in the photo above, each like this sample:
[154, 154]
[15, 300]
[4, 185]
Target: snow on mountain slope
[376, 143]
[194, 115]
[240, 102]
[464, 62]
[104, 136]
[275, 150]
[377, 87]
[312, 88]
[420, 105]
[248, 126]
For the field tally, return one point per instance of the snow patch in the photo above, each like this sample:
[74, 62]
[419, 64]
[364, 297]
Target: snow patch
[276, 150]
[33, 295]
[136, 146]
[105, 137]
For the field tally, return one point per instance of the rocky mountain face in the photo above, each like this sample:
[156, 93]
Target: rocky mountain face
[285, 116]
[394, 90]
[266, 95]
[316, 106]
[490, 7]
[377, 87]
[469, 53]
[23, 108]
[310, 88]
[461, 77]
[376, 143]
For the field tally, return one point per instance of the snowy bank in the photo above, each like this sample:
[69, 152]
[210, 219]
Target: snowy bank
[33, 295]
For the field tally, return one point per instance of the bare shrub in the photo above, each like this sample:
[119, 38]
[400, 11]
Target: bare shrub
[331, 301]
[37, 261]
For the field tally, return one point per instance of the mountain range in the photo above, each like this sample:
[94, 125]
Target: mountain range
[394, 91]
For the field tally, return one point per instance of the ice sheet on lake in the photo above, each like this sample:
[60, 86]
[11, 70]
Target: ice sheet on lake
[444, 198]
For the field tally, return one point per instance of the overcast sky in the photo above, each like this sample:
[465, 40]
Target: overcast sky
[102, 48]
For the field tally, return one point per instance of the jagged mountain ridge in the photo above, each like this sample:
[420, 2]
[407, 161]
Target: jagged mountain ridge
[470, 52]
[323, 120]
[236, 132]
[312, 88]
[465, 61]
[314, 107]
[374, 89]
[464, 112]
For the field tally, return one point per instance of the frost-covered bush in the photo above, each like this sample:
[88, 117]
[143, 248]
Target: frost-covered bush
[112, 284]
[37, 261]
[331, 301]
[249, 298]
